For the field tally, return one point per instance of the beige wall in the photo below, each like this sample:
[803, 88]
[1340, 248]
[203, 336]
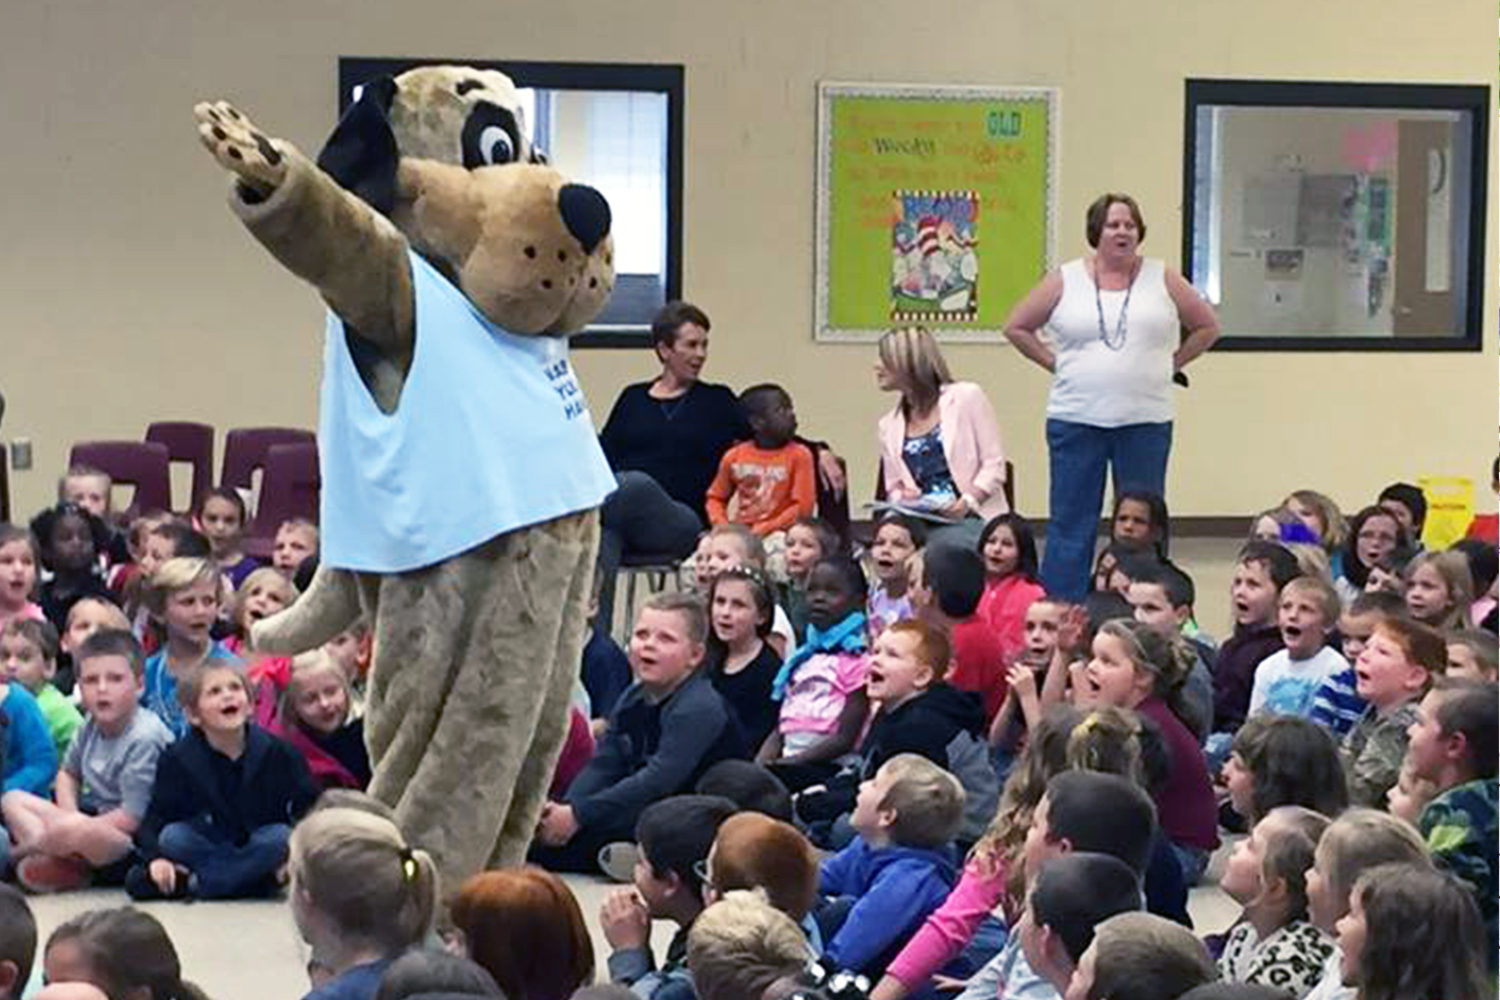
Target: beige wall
[128, 293]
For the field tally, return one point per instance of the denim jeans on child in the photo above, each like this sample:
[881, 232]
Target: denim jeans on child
[1078, 457]
[222, 870]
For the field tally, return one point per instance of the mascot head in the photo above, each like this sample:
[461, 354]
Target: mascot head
[445, 153]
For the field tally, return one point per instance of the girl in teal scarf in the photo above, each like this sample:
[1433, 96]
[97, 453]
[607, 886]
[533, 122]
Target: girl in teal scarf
[821, 686]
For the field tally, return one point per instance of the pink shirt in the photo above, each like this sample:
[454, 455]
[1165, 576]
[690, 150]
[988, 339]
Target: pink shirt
[883, 610]
[816, 695]
[1003, 607]
[30, 611]
[951, 926]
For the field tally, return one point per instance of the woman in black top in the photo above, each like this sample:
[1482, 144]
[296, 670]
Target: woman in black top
[664, 439]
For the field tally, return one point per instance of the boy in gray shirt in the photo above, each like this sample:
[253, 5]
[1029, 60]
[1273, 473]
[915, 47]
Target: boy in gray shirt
[105, 783]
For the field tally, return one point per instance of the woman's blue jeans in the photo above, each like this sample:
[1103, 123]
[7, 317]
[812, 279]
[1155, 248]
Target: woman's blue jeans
[1078, 457]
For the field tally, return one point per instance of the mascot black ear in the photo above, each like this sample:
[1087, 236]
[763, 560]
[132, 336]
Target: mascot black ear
[361, 152]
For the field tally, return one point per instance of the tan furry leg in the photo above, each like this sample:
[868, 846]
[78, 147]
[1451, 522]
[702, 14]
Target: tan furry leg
[456, 694]
[552, 725]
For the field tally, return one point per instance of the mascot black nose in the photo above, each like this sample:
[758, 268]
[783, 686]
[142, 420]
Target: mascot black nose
[585, 213]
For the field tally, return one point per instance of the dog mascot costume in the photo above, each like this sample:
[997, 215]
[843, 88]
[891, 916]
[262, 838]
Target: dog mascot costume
[461, 471]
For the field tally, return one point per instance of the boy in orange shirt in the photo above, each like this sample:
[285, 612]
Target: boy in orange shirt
[771, 478]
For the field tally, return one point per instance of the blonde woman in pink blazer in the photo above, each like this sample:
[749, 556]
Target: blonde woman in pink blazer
[940, 445]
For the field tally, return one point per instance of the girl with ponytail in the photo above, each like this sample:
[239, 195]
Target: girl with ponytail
[361, 896]
[1138, 668]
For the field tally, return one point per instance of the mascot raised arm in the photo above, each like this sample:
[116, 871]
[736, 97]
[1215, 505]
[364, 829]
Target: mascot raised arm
[461, 471]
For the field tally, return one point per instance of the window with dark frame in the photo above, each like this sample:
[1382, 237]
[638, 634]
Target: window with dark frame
[618, 127]
[1337, 216]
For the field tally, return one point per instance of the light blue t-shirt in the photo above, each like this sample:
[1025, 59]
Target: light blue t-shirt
[160, 692]
[491, 433]
[1284, 686]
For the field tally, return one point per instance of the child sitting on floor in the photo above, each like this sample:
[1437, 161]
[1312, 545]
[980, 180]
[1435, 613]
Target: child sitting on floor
[220, 514]
[361, 896]
[314, 717]
[1337, 705]
[1069, 897]
[1134, 667]
[1080, 811]
[769, 481]
[809, 541]
[947, 584]
[1026, 677]
[728, 545]
[1281, 760]
[754, 851]
[170, 540]
[124, 951]
[1453, 747]
[740, 946]
[264, 593]
[1355, 842]
[183, 595]
[105, 782]
[1262, 569]
[1394, 672]
[1288, 679]
[88, 616]
[17, 943]
[1008, 547]
[224, 801]
[1439, 589]
[29, 757]
[674, 837]
[1273, 943]
[1472, 654]
[900, 867]
[667, 730]
[296, 541]
[1413, 932]
[1161, 596]
[71, 540]
[605, 669]
[1140, 956]
[740, 662]
[897, 540]
[915, 712]
[18, 575]
[28, 656]
[821, 685]
[351, 650]
[992, 879]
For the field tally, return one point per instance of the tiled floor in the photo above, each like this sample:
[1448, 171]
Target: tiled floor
[251, 951]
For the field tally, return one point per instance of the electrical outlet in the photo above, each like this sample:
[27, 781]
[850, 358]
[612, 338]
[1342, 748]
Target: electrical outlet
[20, 454]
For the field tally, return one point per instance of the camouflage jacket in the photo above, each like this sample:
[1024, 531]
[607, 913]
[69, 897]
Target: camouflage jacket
[1460, 828]
[1372, 753]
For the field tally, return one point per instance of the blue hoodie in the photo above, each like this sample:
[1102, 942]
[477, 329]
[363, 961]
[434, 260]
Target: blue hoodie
[894, 890]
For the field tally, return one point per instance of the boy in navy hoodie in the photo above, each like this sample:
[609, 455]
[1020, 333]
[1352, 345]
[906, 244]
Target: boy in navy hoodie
[900, 868]
[225, 798]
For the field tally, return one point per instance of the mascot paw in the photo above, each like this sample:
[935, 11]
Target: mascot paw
[240, 147]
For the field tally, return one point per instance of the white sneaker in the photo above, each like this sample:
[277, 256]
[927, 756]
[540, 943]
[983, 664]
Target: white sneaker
[617, 861]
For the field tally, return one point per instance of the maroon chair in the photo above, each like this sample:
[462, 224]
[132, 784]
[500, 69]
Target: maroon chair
[191, 443]
[245, 451]
[142, 464]
[290, 487]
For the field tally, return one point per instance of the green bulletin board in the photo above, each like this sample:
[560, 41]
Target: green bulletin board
[935, 206]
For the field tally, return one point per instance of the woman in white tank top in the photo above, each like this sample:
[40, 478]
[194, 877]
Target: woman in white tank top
[1113, 345]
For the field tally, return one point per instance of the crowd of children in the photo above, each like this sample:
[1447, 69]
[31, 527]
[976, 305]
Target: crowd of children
[904, 764]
